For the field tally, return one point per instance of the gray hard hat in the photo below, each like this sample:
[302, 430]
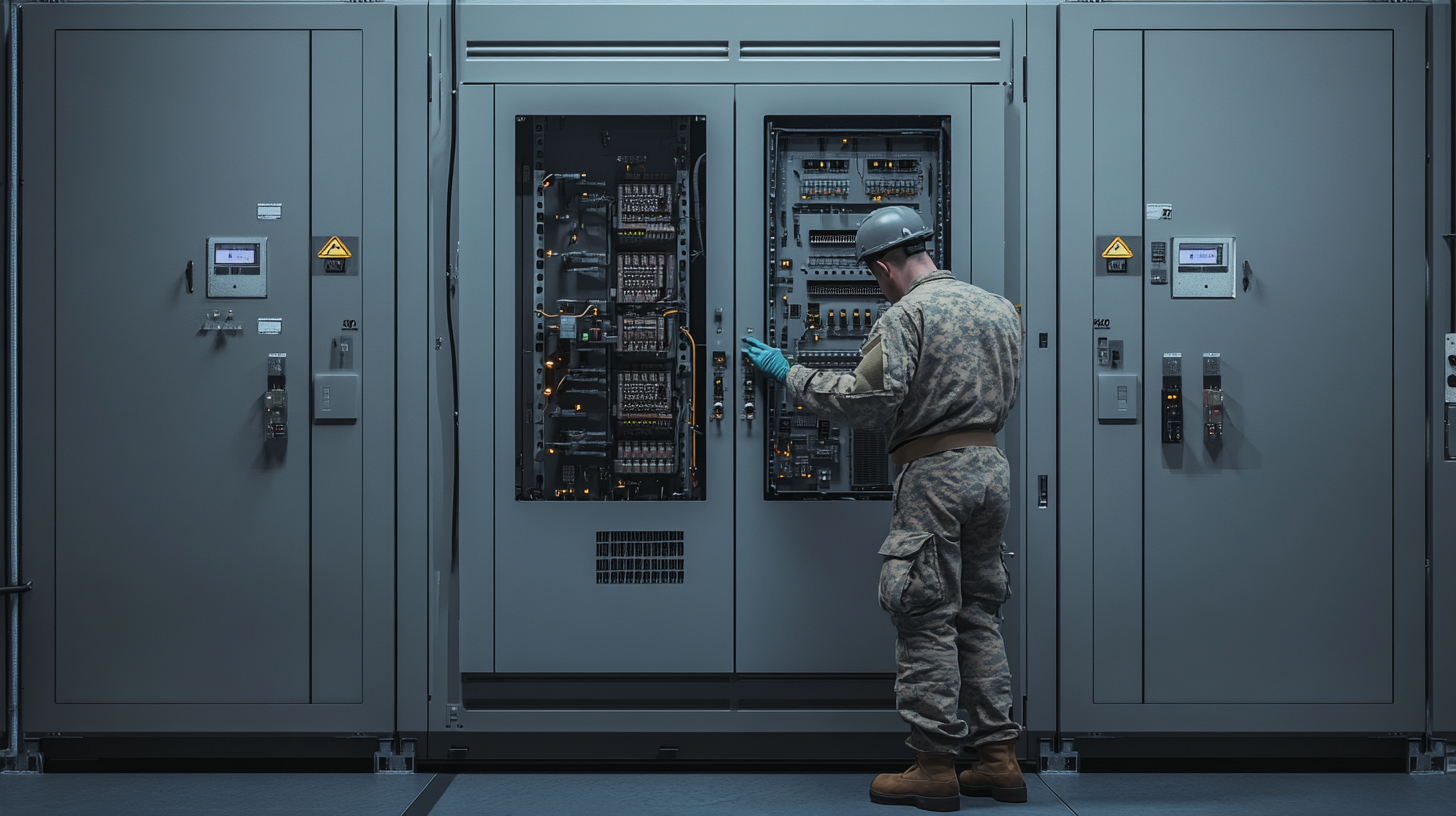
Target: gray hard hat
[886, 228]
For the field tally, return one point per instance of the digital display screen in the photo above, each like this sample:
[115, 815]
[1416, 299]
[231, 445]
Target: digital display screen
[235, 254]
[1200, 255]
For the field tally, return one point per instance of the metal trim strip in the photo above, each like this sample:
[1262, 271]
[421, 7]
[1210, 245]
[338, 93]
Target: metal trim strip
[523, 49]
[862, 50]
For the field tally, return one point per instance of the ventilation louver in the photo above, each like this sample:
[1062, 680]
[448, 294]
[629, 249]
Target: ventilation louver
[639, 556]
[869, 459]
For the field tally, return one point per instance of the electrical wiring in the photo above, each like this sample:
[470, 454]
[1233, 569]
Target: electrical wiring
[693, 399]
[697, 210]
[558, 314]
[450, 293]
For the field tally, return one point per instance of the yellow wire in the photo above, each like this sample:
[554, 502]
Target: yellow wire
[558, 314]
[693, 403]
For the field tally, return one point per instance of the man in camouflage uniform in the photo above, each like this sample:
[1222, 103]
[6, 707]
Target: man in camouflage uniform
[939, 372]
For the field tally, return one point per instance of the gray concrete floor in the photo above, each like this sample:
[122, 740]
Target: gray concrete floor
[78, 794]
[1237, 794]
[685, 794]
[707, 795]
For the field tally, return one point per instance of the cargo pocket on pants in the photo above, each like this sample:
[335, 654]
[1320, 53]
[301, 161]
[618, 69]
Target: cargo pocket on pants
[910, 582]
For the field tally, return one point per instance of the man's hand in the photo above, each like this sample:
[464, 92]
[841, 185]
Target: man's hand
[767, 358]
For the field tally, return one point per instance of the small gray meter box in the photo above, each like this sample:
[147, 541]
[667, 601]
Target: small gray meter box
[1204, 267]
[237, 267]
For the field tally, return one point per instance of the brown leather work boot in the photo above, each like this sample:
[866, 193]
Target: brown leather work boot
[997, 775]
[929, 784]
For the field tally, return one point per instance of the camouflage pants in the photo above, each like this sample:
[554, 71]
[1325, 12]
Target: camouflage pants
[943, 583]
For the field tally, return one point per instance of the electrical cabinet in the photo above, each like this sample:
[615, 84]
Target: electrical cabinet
[638, 542]
[612, 251]
[1215, 541]
[643, 516]
[210, 535]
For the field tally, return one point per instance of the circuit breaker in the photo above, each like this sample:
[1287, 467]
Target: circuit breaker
[1213, 399]
[824, 178]
[1172, 399]
[610, 276]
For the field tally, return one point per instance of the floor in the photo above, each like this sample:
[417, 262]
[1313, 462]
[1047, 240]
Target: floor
[705, 794]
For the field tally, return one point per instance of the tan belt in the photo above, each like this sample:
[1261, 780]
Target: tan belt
[935, 443]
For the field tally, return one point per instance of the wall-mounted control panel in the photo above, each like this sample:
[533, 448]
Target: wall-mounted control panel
[824, 176]
[237, 267]
[1204, 267]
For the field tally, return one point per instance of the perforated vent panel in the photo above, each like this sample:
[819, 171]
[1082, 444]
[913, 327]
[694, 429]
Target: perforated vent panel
[869, 459]
[639, 556]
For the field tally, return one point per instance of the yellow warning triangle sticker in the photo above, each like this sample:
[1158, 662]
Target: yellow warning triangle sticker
[1116, 249]
[336, 249]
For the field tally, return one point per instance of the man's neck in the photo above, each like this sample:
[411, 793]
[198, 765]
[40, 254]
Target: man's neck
[916, 267]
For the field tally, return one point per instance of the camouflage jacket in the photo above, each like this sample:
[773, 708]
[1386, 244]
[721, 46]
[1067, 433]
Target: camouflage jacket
[945, 358]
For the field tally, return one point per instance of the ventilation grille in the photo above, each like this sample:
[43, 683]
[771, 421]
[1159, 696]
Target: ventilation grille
[556, 49]
[640, 556]
[869, 459]
[870, 50]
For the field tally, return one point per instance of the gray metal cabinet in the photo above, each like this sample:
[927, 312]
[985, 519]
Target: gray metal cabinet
[1440, 368]
[146, 485]
[533, 596]
[1242, 551]
[774, 592]
[191, 574]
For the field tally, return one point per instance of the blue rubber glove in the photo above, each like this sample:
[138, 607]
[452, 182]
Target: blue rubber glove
[768, 359]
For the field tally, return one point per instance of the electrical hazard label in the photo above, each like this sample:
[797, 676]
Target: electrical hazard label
[1116, 249]
[336, 249]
